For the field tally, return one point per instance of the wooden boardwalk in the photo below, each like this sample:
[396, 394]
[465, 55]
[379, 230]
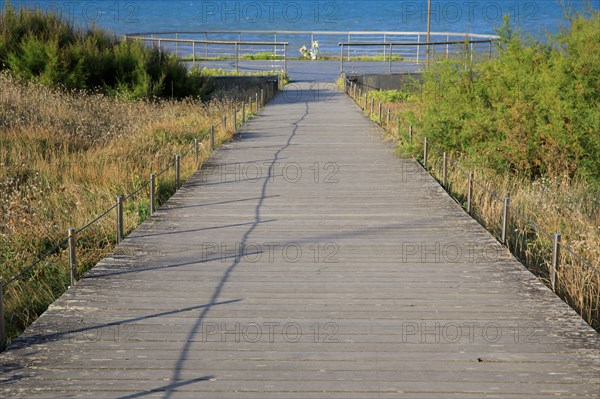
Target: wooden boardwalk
[307, 261]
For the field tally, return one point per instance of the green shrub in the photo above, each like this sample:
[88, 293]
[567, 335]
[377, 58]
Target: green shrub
[41, 47]
[534, 109]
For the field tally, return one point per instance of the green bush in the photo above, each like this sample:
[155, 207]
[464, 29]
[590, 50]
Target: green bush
[534, 109]
[41, 47]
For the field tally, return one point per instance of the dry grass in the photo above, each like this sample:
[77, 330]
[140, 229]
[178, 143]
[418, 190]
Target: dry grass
[63, 159]
[557, 205]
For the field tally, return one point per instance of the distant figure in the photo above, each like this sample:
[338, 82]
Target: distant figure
[313, 53]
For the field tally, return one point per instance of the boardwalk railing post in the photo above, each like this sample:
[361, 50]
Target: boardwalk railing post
[119, 218]
[379, 114]
[505, 220]
[262, 98]
[2, 327]
[555, 261]
[72, 256]
[444, 169]
[243, 112]
[425, 153]
[365, 107]
[212, 137]
[372, 105]
[470, 193]
[196, 151]
[388, 118]
[152, 193]
[256, 99]
[250, 103]
[177, 172]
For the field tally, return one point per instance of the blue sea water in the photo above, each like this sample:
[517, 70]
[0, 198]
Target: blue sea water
[472, 16]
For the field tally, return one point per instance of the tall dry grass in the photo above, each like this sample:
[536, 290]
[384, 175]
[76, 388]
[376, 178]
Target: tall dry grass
[558, 205]
[63, 159]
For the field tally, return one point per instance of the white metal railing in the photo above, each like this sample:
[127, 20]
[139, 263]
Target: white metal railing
[220, 44]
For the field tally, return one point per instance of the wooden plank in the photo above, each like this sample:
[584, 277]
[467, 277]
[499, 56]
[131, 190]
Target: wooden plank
[307, 221]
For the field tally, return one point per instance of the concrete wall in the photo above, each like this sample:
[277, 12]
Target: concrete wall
[387, 82]
[242, 83]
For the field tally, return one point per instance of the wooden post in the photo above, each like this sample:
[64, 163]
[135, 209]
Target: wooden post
[243, 112]
[379, 114]
[119, 218]
[212, 137]
[444, 169]
[555, 260]
[72, 256]
[425, 153]
[505, 220]
[470, 193]
[152, 193]
[196, 151]
[2, 326]
[177, 172]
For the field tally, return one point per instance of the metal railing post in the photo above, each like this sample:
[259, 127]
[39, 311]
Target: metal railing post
[342, 58]
[72, 256]
[425, 153]
[2, 326]
[237, 58]
[177, 172]
[555, 261]
[505, 220]
[119, 218]
[470, 193]
[285, 58]
[212, 137]
[152, 193]
[196, 151]
[243, 112]
[390, 65]
[193, 54]
[444, 169]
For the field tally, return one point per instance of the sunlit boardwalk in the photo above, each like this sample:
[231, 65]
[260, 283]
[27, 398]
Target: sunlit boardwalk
[307, 261]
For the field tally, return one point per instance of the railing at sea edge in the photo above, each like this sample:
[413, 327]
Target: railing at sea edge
[411, 47]
[234, 119]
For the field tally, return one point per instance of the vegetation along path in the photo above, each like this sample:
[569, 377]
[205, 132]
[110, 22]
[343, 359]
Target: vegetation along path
[307, 260]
